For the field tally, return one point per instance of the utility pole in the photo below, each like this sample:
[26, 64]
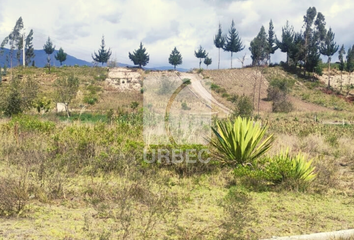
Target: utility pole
[24, 47]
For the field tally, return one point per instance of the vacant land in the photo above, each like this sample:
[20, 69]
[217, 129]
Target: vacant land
[85, 177]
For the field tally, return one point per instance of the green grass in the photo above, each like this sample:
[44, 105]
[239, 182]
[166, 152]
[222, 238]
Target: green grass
[84, 117]
[84, 177]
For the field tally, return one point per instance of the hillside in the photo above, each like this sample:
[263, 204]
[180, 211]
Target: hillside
[306, 95]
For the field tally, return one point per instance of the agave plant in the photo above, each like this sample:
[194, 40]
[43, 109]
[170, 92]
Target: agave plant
[302, 169]
[240, 142]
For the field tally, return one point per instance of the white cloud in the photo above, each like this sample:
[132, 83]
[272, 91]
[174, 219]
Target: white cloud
[78, 26]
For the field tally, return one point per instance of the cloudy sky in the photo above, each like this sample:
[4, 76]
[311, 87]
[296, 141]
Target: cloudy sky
[78, 25]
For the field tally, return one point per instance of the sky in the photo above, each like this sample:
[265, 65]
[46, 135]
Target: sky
[78, 26]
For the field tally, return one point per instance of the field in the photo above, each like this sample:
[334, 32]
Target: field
[85, 177]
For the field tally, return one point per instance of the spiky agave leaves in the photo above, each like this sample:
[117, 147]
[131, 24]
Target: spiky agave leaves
[240, 141]
[302, 169]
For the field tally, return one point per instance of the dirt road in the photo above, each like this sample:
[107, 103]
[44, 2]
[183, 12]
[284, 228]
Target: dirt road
[199, 90]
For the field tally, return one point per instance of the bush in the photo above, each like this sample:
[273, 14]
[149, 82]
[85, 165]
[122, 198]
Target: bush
[296, 171]
[244, 107]
[13, 196]
[282, 106]
[293, 172]
[241, 141]
[319, 70]
[283, 84]
[20, 97]
[13, 104]
[233, 98]
[185, 107]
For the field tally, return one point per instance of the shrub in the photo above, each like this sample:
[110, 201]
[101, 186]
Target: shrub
[282, 106]
[233, 98]
[244, 107]
[293, 172]
[240, 142]
[185, 107]
[283, 84]
[134, 105]
[13, 104]
[13, 196]
[225, 95]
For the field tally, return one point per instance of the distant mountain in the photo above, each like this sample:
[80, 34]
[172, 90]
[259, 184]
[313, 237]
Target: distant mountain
[40, 60]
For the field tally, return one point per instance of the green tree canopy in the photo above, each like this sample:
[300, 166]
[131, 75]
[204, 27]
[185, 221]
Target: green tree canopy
[13, 39]
[271, 40]
[207, 61]
[350, 60]
[200, 53]
[103, 55]
[66, 90]
[314, 34]
[341, 58]
[287, 38]
[219, 42]
[175, 58]
[140, 56]
[329, 48]
[259, 48]
[29, 53]
[49, 49]
[61, 56]
[233, 42]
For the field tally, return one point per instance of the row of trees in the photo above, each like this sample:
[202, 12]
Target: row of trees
[15, 41]
[141, 58]
[302, 48]
[49, 48]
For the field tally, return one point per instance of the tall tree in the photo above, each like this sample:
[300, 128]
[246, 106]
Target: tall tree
[350, 61]
[271, 40]
[61, 56]
[297, 50]
[140, 56]
[314, 34]
[219, 42]
[13, 40]
[175, 58]
[29, 53]
[200, 53]
[49, 49]
[207, 61]
[259, 48]
[103, 55]
[233, 42]
[329, 48]
[287, 40]
[341, 64]
[19, 52]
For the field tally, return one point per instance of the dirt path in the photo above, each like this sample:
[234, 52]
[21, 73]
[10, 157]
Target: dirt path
[198, 89]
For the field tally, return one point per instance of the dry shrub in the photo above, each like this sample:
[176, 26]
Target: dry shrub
[239, 216]
[284, 141]
[314, 145]
[327, 174]
[13, 195]
[138, 208]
